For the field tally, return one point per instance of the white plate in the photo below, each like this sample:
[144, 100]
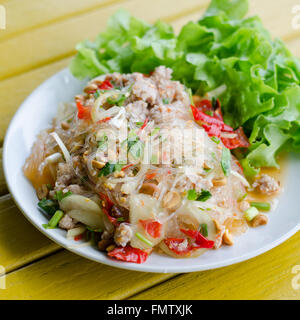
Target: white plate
[36, 113]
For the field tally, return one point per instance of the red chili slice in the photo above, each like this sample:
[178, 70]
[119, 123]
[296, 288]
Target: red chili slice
[78, 237]
[104, 120]
[83, 111]
[240, 141]
[129, 254]
[200, 240]
[152, 227]
[106, 85]
[108, 202]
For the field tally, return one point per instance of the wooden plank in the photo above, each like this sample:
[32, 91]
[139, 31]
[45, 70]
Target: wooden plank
[14, 90]
[20, 242]
[67, 276]
[59, 39]
[36, 13]
[268, 276]
[3, 187]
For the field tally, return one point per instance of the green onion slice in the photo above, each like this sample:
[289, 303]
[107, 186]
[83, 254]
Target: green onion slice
[53, 222]
[145, 240]
[251, 213]
[264, 206]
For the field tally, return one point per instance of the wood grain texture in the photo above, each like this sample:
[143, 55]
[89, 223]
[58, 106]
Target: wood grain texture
[37, 13]
[68, 276]
[268, 276]
[20, 242]
[59, 39]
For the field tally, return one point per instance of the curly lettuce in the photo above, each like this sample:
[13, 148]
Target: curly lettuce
[222, 48]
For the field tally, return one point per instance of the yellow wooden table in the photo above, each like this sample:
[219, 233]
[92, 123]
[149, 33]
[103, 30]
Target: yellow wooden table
[39, 40]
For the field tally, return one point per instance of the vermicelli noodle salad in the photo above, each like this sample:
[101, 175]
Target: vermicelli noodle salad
[160, 202]
[170, 144]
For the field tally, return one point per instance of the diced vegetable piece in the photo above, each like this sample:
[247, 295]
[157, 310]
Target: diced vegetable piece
[129, 254]
[251, 213]
[72, 233]
[264, 206]
[83, 210]
[83, 111]
[143, 217]
[152, 227]
[53, 222]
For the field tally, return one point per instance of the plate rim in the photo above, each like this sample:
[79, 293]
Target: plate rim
[105, 260]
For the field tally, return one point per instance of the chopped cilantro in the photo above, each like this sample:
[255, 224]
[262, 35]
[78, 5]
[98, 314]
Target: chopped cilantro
[198, 196]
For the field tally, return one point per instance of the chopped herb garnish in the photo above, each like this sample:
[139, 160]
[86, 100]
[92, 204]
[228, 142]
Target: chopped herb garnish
[49, 186]
[166, 101]
[59, 195]
[139, 124]
[118, 101]
[198, 196]
[53, 222]
[48, 206]
[137, 149]
[109, 168]
[241, 198]
[120, 219]
[215, 139]
[203, 229]
[97, 94]
[226, 161]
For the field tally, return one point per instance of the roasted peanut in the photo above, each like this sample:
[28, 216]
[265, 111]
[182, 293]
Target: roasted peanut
[119, 174]
[217, 225]
[171, 200]
[98, 164]
[90, 87]
[219, 182]
[259, 220]
[148, 188]
[65, 125]
[227, 238]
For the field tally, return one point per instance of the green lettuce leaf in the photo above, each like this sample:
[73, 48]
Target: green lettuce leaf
[261, 76]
